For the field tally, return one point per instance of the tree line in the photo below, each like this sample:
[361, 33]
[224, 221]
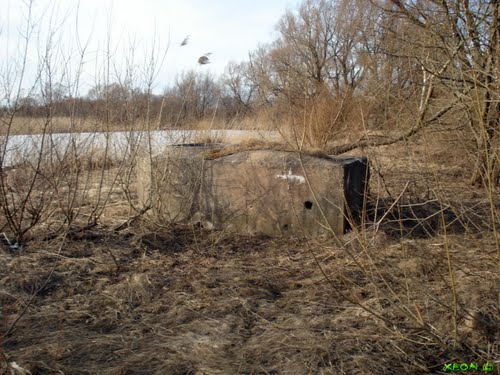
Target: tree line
[336, 66]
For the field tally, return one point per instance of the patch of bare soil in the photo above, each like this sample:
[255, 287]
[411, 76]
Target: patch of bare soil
[188, 301]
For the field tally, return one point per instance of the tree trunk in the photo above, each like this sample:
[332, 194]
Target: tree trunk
[487, 169]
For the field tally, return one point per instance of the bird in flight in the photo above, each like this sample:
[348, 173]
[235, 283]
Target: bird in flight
[185, 41]
[205, 59]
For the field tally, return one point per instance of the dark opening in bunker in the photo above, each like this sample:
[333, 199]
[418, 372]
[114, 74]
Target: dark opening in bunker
[308, 205]
[356, 177]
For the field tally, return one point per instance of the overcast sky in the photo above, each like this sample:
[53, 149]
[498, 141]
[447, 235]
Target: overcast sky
[228, 29]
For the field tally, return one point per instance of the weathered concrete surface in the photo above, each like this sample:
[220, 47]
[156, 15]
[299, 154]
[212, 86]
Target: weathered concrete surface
[270, 192]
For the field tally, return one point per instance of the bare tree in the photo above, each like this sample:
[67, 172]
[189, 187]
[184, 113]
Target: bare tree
[239, 88]
[198, 94]
[317, 65]
[456, 43]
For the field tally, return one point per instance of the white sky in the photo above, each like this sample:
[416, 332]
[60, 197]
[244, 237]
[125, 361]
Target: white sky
[228, 29]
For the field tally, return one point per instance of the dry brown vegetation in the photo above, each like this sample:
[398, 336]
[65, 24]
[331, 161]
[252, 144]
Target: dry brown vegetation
[188, 302]
[36, 125]
[90, 284]
[258, 144]
[180, 300]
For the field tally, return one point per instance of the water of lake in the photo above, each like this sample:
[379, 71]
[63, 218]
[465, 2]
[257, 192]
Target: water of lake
[18, 148]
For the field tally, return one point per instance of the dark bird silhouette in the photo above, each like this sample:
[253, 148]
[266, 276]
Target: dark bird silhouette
[203, 60]
[185, 41]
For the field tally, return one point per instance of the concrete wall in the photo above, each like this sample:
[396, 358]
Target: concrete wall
[270, 192]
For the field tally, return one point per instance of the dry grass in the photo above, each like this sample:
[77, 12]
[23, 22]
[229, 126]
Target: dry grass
[259, 144]
[184, 300]
[30, 125]
[190, 302]
[209, 137]
[259, 121]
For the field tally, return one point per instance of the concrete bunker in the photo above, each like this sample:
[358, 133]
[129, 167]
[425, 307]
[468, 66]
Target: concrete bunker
[257, 191]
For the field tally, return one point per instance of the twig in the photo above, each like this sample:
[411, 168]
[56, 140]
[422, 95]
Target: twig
[132, 219]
